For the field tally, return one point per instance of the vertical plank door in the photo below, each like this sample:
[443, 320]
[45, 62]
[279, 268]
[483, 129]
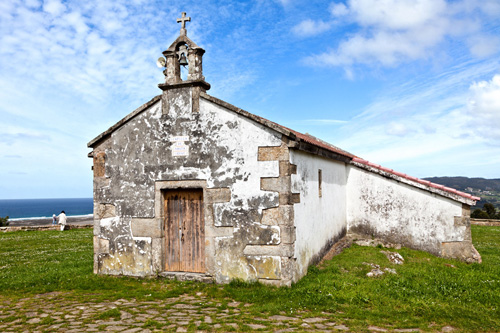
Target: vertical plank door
[184, 231]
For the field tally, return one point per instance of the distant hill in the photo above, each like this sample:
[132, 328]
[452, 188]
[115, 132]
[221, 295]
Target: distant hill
[461, 183]
[487, 189]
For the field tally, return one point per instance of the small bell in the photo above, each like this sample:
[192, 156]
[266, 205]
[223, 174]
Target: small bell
[183, 60]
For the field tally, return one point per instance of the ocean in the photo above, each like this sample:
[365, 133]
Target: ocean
[40, 208]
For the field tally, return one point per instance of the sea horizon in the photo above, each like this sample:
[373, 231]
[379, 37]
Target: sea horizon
[29, 209]
[44, 217]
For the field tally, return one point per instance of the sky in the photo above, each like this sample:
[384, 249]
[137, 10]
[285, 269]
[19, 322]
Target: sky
[411, 85]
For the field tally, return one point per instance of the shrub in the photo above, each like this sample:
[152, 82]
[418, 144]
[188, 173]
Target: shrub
[4, 221]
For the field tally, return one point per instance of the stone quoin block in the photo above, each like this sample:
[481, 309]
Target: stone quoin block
[102, 183]
[462, 221]
[96, 243]
[279, 153]
[289, 198]
[281, 215]
[266, 267]
[288, 268]
[195, 103]
[156, 254]
[288, 235]
[271, 216]
[101, 245]
[276, 184]
[96, 263]
[463, 250]
[258, 234]
[105, 210]
[217, 195]
[146, 227]
[99, 164]
[164, 103]
[465, 210]
[287, 169]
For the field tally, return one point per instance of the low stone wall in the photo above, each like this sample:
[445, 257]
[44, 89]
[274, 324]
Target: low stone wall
[491, 223]
[45, 227]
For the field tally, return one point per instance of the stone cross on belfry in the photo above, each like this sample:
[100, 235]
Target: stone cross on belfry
[183, 20]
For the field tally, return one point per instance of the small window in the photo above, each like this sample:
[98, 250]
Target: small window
[320, 178]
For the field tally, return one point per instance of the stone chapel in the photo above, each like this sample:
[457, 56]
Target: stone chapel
[188, 185]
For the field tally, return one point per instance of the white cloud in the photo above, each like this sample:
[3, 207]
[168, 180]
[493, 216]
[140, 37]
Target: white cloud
[33, 3]
[484, 46]
[84, 48]
[382, 47]
[488, 7]
[338, 9]
[308, 28]
[54, 7]
[484, 108]
[391, 32]
[398, 129]
[397, 14]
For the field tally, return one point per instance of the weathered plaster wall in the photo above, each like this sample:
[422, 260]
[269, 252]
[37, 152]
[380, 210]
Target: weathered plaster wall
[242, 173]
[319, 221]
[223, 150]
[403, 214]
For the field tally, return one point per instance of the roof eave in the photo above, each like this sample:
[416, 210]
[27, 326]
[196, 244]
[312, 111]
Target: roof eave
[416, 182]
[123, 121]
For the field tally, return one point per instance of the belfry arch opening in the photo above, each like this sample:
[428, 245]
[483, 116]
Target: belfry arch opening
[182, 58]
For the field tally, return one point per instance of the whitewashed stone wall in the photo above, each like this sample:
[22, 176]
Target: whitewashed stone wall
[319, 221]
[401, 213]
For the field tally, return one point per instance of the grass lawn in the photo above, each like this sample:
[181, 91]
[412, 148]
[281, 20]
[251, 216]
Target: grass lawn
[426, 292]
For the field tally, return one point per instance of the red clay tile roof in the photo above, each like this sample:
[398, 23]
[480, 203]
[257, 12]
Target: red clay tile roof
[320, 143]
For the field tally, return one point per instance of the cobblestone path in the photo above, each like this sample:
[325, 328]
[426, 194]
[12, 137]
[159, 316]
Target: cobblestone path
[52, 313]
[178, 314]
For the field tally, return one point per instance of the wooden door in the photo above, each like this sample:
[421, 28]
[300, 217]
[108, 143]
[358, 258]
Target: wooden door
[184, 231]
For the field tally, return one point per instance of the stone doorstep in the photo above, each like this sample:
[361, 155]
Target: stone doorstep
[187, 276]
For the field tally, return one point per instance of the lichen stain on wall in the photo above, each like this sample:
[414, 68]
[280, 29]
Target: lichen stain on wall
[231, 264]
[127, 255]
[399, 213]
[230, 261]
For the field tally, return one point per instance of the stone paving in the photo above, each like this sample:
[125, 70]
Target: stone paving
[52, 313]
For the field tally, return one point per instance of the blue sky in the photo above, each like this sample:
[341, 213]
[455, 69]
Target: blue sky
[410, 85]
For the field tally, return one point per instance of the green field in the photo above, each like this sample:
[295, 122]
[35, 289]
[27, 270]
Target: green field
[426, 293]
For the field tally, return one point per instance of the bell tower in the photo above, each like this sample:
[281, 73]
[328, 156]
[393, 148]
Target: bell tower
[183, 52]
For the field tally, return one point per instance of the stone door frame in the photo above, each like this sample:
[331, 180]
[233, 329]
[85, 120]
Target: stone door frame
[211, 196]
[160, 188]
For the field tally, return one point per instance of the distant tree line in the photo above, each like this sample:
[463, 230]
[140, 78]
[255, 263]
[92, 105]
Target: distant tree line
[488, 212]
